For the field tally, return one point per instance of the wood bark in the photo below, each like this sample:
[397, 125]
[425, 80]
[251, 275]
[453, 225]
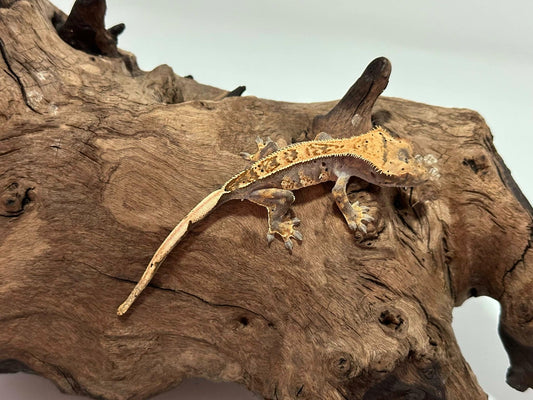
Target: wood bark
[99, 160]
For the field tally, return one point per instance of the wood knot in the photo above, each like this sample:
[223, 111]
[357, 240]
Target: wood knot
[341, 364]
[14, 198]
[392, 321]
[478, 164]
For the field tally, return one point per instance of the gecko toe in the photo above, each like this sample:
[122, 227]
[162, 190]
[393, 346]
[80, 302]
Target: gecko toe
[297, 235]
[288, 245]
[270, 238]
[362, 228]
[245, 155]
[295, 221]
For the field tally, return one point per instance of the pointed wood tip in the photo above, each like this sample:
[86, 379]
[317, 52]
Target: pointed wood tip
[85, 29]
[116, 30]
[352, 115]
[378, 70]
[238, 91]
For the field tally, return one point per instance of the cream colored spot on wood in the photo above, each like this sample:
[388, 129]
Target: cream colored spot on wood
[43, 75]
[71, 78]
[91, 69]
[23, 246]
[34, 96]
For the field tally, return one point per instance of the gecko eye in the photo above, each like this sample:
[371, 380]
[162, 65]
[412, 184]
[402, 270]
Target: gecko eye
[403, 155]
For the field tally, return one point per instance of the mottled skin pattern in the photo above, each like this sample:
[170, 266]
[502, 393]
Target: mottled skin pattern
[376, 156]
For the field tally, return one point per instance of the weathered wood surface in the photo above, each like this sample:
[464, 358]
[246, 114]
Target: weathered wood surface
[99, 160]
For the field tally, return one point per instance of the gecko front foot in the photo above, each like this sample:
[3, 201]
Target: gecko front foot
[356, 215]
[356, 218]
[264, 148]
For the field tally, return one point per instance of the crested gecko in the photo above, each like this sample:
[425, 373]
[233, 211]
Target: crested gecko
[376, 157]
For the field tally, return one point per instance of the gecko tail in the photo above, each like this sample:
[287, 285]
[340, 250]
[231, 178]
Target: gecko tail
[198, 213]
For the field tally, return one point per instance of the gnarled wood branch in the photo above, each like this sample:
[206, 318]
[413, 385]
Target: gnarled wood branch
[85, 30]
[100, 160]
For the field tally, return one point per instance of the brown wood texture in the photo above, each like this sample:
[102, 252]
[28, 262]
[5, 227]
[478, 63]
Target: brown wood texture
[99, 160]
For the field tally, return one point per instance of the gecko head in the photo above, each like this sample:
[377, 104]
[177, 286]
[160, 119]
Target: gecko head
[401, 168]
[392, 159]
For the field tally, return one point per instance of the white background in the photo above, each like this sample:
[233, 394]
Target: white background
[473, 54]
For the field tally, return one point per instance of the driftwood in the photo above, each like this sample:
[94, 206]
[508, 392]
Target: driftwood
[99, 160]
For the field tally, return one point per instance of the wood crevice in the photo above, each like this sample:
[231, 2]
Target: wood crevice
[15, 77]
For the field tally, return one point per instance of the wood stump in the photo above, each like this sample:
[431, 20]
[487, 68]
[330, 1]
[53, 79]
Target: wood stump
[99, 160]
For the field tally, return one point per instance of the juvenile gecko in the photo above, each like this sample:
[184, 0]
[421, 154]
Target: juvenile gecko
[376, 157]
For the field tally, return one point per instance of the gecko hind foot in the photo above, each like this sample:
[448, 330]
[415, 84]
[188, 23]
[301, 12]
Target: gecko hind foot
[281, 221]
[285, 229]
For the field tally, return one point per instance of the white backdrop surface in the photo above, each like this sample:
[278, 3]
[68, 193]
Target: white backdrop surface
[458, 53]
